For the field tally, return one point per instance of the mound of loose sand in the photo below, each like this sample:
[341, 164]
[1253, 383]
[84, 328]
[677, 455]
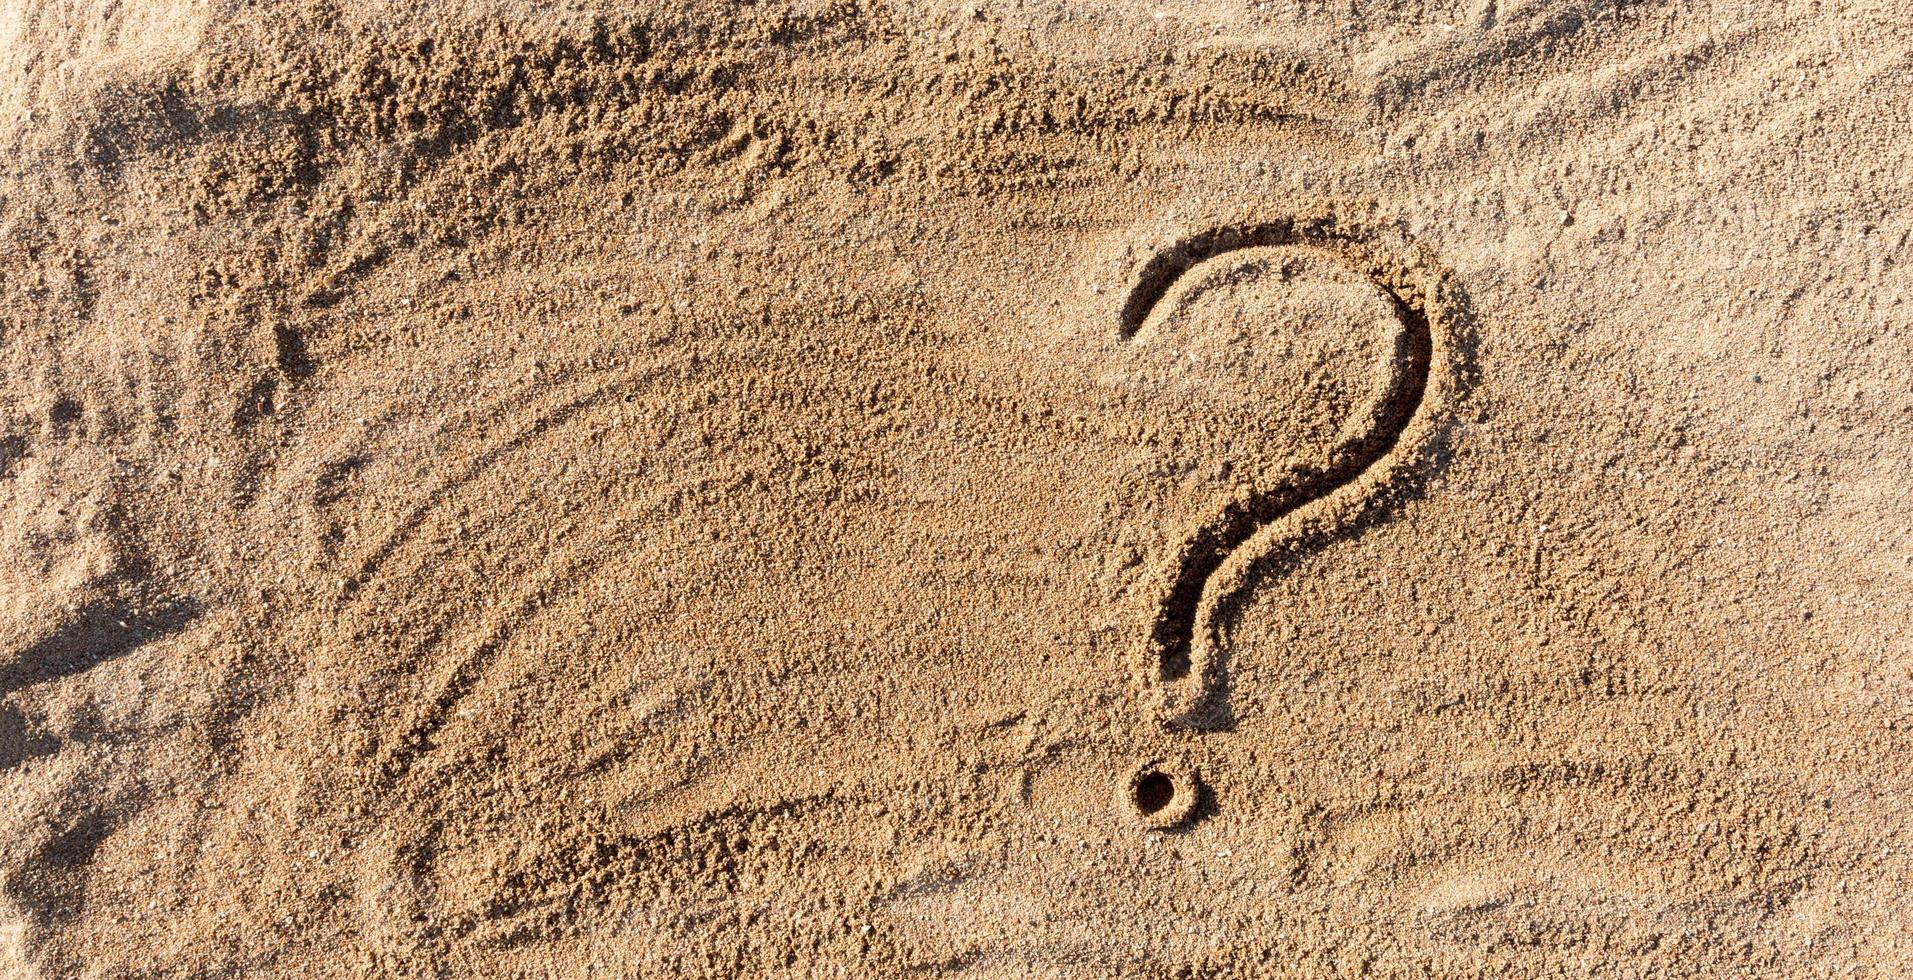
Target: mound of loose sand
[1011, 489]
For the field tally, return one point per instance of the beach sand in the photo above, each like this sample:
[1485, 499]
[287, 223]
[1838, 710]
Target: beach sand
[1282, 488]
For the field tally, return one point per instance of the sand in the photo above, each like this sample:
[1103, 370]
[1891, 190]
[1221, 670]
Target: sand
[1003, 490]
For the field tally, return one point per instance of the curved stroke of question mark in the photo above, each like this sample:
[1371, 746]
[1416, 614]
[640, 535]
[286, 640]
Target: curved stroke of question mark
[1214, 567]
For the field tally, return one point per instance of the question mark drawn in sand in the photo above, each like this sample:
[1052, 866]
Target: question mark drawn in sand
[1283, 515]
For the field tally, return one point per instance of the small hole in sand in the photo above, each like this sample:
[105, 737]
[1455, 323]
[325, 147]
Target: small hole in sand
[1153, 792]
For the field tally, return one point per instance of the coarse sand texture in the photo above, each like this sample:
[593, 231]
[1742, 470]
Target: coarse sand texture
[999, 489]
